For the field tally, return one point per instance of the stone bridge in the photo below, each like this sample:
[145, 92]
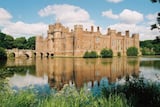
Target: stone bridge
[18, 53]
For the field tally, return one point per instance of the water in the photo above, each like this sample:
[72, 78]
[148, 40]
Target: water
[55, 72]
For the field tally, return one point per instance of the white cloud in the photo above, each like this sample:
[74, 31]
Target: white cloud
[5, 17]
[27, 80]
[126, 16]
[130, 17]
[115, 1]
[109, 14]
[19, 28]
[69, 15]
[151, 16]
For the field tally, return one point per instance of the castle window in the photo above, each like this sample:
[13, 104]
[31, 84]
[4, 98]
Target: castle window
[97, 40]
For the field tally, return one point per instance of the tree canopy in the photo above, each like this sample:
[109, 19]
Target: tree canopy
[8, 42]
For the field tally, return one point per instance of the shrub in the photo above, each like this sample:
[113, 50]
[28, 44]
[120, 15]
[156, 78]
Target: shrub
[106, 53]
[132, 51]
[140, 92]
[3, 54]
[92, 54]
[147, 51]
[86, 54]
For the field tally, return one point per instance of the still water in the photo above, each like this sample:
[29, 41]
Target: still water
[55, 72]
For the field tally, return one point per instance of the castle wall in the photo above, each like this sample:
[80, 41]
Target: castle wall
[61, 42]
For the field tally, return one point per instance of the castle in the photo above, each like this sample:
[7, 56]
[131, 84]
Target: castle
[62, 42]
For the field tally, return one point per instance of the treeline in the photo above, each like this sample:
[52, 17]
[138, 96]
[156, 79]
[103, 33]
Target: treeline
[8, 42]
[150, 47]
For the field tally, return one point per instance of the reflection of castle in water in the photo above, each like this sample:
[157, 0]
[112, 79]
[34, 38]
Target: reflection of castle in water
[79, 71]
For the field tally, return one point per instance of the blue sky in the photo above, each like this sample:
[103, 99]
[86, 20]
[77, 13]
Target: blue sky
[31, 17]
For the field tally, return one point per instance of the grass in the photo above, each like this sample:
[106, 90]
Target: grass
[67, 97]
[139, 92]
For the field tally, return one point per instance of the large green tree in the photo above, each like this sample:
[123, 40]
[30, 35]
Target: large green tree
[3, 54]
[6, 41]
[20, 43]
[31, 43]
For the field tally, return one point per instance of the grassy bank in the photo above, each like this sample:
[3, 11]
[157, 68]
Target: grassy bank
[67, 97]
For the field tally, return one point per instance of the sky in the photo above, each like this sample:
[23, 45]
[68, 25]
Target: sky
[32, 17]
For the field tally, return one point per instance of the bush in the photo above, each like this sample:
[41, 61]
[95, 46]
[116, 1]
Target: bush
[86, 54]
[92, 54]
[3, 54]
[140, 92]
[106, 53]
[147, 51]
[132, 51]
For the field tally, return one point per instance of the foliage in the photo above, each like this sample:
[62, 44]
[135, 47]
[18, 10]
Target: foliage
[3, 54]
[70, 97]
[147, 51]
[132, 51]
[8, 42]
[20, 42]
[150, 47]
[154, 1]
[139, 92]
[106, 53]
[31, 43]
[92, 54]
[67, 97]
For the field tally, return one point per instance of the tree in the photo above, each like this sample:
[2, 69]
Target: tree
[2, 36]
[20, 43]
[3, 54]
[8, 42]
[92, 54]
[132, 51]
[31, 43]
[154, 1]
[154, 26]
[86, 54]
[106, 53]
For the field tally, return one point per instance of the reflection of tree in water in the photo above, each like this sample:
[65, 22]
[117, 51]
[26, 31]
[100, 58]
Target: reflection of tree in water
[132, 62]
[91, 61]
[2, 63]
[155, 64]
[106, 61]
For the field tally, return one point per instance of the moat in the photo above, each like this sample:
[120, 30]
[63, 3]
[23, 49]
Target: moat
[55, 72]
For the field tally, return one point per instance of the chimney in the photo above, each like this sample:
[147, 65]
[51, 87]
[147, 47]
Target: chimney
[98, 29]
[119, 33]
[127, 33]
[92, 29]
[109, 31]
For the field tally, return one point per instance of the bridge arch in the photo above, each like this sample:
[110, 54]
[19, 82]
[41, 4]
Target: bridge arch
[47, 54]
[27, 55]
[34, 54]
[12, 55]
[41, 54]
[52, 54]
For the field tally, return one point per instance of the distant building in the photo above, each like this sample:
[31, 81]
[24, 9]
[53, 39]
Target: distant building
[62, 42]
